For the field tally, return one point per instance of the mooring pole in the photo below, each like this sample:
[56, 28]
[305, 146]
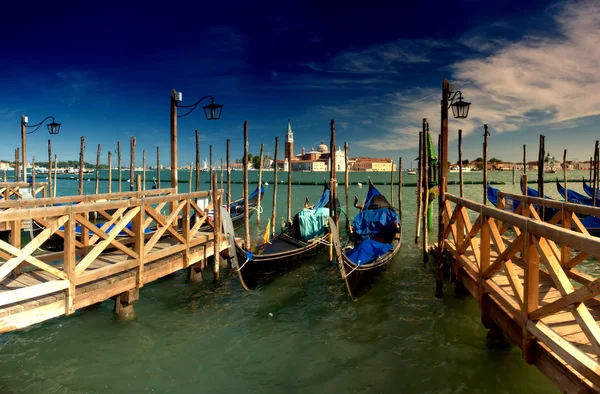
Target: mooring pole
[443, 182]
[486, 134]
[96, 190]
[275, 169]
[217, 227]
[49, 168]
[190, 179]
[541, 154]
[33, 176]
[210, 167]
[17, 167]
[158, 167]
[143, 169]
[246, 207]
[173, 124]
[119, 168]
[425, 196]
[132, 143]
[565, 175]
[590, 178]
[81, 151]
[400, 188]
[595, 186]
[524, 159]
[346, 183]
[333, 188]
[460, 165]
[197, 188]
[228, 177]
[260, 168]
[419, 188]
[55, 172]
[110, 181]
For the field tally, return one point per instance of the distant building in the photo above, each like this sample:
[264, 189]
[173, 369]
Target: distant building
[372, 164]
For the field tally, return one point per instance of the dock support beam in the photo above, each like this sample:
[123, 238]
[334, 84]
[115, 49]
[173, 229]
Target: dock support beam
[124, 304]
[195, 273]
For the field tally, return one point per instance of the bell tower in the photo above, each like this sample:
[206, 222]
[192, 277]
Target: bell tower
[289, 142]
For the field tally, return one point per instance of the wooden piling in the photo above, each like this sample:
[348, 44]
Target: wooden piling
[419, 188]
[245, 190]
[144, 169]
[55, 173]
[33, 176]
[49, 168]
[221, 175]
[524, 184]
[460, 164]
[524, 159]
[513, 174]
[138, 182]
[392, 185]
[595, 183]
[132, 144]
[110, 181]
[210, 168]
[217, 227]
[289, 187]
[158, 167]
[347, 184]
[17, 166]
[486, 134]
[400, 187]
[4, 175]
[81, 164]
[565, 175]
[260, 166]
[590, 178]
[275, 169]
[425, 181]
[98, 169]
[197, 185]
[119, 168]
[228, 174]
[332, 188]
[540, 178]
[190, 177]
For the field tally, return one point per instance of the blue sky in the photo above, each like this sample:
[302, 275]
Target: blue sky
[105, 70]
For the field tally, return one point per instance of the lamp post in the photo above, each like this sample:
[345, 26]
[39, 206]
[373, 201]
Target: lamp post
[53, 128]
[212, 111]
[460, 110]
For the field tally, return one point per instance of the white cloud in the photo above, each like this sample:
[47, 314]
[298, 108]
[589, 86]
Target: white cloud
[538, 80]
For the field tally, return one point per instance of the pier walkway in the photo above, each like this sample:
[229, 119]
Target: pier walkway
[73, 261]
[536, 281]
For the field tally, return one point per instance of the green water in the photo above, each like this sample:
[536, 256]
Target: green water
[300, 333]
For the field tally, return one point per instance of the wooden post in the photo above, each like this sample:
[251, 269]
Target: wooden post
[531, 284]
[347, 184]
[400, 187]
[4, 175]
[132, 163]
[289, 186]
[81, 152]
[33, 176]
[110, 180]
[191, 176]
[275, 169]
[595, 174]
[98, 168]
[392, 184]
[55, 172]
[17, 167]
[420, 189]
[485, 162]
[565, 176]
[158, 167]
[228, 175]
[119, 168]
[590, 178]
[138, 182]
[443, 181]
[332, 188]
[69, 261]
[24, 146]
[144, 169]
[425, 195]
[210, 168]
[245, 190]
[173, 142]
[541, 154]
[217, 227]
[513, 173]
[260, 166]
[49, 167]
[197, 186]
[524, 184]
[524, 159]
[221, 175]
[460, 164]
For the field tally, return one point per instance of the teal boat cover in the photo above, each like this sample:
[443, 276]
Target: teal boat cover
[312, 222]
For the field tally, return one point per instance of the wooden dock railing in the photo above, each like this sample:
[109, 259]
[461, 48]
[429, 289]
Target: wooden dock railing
[134, 234]
[537, 281]
[12, 190]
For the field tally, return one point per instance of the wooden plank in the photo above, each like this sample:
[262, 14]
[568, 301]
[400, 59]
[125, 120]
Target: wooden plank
[28, 318]
[118, 214]
[161, 230]
[506, 254]
[28, 292]
[582, 294]
[106, 271]
[161, 223]
[101, 234]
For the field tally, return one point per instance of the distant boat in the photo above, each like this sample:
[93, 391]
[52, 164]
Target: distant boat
[411, 172]
[266, 183]
[359, 184]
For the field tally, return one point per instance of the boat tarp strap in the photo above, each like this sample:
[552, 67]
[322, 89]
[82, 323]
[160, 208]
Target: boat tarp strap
[312, 222]
[367, 251]
[373, 222]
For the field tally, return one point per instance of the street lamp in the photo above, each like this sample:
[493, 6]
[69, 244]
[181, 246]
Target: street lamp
[53, 128]
[460, 108]
[212, 111]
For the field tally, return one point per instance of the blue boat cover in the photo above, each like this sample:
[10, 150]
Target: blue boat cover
[324, 200]
[367, 251]
[590, 190]
[372, 222]
[574, 197]
[250, 197]
[312, 222]
[591, 222]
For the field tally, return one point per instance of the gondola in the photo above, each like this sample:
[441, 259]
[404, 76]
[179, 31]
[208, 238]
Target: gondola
[375, 238]
[492, 195]
[303, 238]
[574, 197]
[590, 190]
[237, 207]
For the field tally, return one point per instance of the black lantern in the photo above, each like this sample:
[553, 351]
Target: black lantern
[460, 109]
[212, 110]
[53, 128]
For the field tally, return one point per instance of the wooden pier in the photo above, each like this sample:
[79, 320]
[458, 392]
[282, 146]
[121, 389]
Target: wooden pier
[536, 281]
[145, 235]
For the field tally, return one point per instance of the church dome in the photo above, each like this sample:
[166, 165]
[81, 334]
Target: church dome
[323, 148]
